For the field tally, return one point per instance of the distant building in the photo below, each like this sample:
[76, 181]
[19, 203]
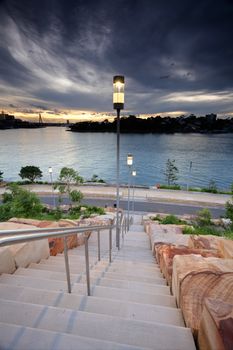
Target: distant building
[5, 116]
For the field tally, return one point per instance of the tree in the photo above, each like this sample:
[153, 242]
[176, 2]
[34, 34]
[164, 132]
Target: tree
[30, 172]
[1, 176]
[171, 172]
[19, 203]
[68, 177]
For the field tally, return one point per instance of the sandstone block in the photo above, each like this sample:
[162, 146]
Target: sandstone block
[26, 253]
[216, 326]
[7, 262]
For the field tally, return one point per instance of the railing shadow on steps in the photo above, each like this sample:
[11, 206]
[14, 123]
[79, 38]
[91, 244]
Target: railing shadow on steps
[12, 237]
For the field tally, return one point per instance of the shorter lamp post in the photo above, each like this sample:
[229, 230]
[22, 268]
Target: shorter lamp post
[134, 173]
[51, 180]
[129, 163]
[189, 175]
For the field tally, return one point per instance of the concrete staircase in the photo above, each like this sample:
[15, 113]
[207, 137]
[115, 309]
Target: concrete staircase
[130, 306]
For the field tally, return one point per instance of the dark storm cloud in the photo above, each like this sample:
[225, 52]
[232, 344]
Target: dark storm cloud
[176, 55]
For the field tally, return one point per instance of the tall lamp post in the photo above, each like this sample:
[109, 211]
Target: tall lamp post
[51, 180]
[134, 173]
[129, 163]
[118, 104]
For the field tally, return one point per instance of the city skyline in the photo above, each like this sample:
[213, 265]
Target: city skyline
[58, 58]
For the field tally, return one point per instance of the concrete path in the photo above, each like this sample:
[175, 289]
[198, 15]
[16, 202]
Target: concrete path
[152, 194]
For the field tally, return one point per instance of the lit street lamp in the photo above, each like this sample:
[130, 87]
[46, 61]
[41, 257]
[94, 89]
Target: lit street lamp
[129, 163]
[118, 104]
[51, 180]
[134, 173]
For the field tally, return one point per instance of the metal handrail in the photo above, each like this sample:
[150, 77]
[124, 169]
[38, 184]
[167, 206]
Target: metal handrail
[38, 234]
[21, 236]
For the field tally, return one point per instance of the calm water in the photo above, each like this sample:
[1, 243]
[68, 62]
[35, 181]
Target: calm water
[95, 153]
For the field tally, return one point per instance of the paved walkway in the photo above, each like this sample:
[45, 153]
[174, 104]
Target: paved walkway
[158, 195]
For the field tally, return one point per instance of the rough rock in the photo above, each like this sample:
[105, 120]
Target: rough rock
[204, 242]
[226, 248]
[26, 253]
[166, 234]
[196, 287]
[166, 252]
[15, 226]
[215, 332]
[183, 265]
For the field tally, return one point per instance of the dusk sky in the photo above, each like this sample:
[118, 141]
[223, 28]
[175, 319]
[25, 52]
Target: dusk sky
[58, 57]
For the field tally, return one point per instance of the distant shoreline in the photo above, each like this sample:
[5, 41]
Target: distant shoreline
[209, 124]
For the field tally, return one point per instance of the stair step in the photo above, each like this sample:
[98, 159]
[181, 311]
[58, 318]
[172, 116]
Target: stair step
[136, 228]
[26, 338]
[143, 312]
[155, 278]
[145, 267]
[95, 271]
[98, 291]
[102, 327]
[96, 280]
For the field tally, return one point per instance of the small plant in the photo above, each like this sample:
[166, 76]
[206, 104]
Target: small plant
[203, 217]
[156, 218]
[172, 220]
[95, 178]
[31, 173]
[1, 176]
[171, 172]
[67, 178]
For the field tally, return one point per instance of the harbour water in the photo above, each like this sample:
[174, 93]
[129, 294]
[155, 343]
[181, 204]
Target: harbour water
[95, 153]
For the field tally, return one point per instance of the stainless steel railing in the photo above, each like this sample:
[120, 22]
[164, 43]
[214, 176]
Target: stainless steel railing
[10, 237]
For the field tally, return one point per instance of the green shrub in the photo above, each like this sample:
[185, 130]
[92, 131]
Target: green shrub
[229, 210]
[170, 187]
[20, 203]
[203, 217]
[212, 188]
[156, 218]
[204, 230]
[228, 234]
[169, 219]
[172, 219]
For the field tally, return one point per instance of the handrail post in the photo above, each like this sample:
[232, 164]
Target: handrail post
[67, 265]
[110, 245]
[98, 232]
[87, 266]
[122, 228]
